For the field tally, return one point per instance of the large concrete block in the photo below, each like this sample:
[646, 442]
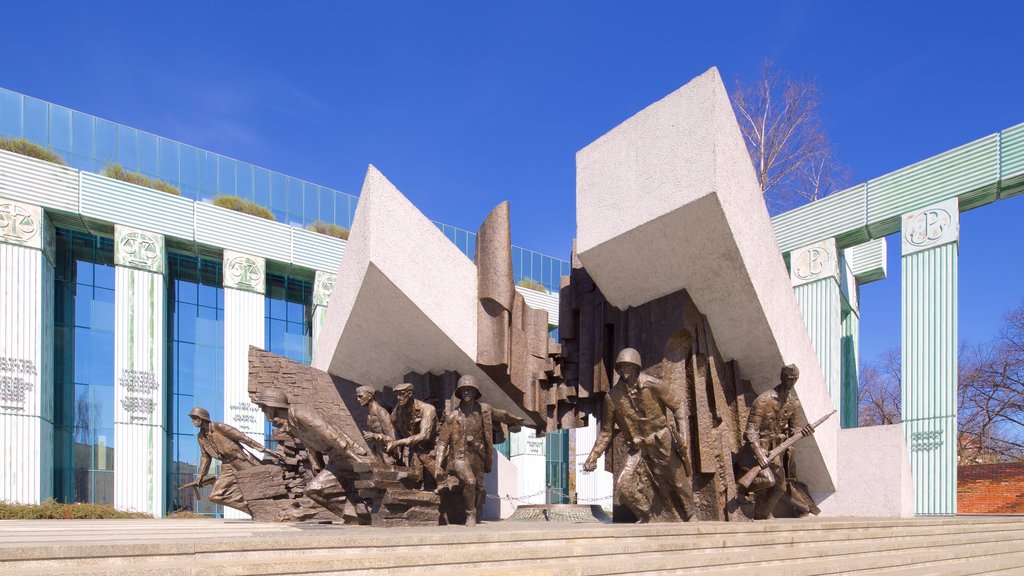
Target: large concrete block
[404, 299]
[668, 200]
[874, 474]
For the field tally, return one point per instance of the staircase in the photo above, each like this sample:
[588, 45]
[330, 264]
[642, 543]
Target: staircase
[904, 547]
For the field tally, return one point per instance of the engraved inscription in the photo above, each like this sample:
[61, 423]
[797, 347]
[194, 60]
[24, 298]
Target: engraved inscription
[925, 441]
[811, 263]
[138, 387]
[927, 227]
[15, 382]
[246, 416]
[17, 224]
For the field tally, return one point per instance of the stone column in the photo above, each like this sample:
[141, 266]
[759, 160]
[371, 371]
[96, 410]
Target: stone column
[929, 303]
[849, 343]
[245, 279]
[323, 285]
[140, 428]
[27, 243]
[814, 272]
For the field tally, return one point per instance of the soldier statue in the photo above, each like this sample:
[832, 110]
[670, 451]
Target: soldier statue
[320, 438]
[775, 417]
[638, 405]
[465, 445]
[223, 442]
[415, 424]
[379, 429]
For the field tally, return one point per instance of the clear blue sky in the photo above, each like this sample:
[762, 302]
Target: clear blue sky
[464, 105]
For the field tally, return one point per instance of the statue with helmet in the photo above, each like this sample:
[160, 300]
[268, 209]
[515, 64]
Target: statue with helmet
[220, 441]
[465, 447]
[656, 482]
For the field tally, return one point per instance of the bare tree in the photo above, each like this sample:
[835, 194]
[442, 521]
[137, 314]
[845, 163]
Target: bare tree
[880, 390]
[792, 156]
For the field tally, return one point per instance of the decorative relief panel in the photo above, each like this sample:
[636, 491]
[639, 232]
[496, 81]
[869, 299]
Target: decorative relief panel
[930, 227]
[138, 249]
[244, 272]
[322, 288]
[925, 441]
[814, 262]
[21, 224]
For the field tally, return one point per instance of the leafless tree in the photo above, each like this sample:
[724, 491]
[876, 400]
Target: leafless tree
[792, 156]
[990, 394]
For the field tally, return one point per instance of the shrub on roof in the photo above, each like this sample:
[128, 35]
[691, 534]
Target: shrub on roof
[243, 205]
[118, 172]
[53, 510]
[532, 284]
[328, 229]
[32, 150]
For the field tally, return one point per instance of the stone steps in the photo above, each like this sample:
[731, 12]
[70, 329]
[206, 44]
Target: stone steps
[965, 545]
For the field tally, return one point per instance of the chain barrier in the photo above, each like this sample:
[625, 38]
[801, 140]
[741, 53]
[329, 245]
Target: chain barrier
[526, 499]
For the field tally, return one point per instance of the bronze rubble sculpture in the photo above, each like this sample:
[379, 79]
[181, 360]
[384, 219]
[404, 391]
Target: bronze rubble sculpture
[220, 441]
[465, 446]
[655, 482]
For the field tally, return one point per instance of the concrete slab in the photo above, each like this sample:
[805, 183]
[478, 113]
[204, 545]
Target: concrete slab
[874, 474]
[668, 200]
[404, 299]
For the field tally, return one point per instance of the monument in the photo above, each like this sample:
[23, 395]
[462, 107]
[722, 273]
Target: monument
[674, 323]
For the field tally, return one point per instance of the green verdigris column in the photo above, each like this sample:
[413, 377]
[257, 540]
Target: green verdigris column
[27, 244]
[323, 285]
[245, 281]
[929, 373]
[814, 272]
[140, 429]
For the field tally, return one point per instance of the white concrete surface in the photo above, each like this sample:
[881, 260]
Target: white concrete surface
[874, 474]
[404, 299]
[668, 200]
[501, 484]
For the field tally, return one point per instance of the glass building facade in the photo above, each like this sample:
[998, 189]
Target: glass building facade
[84, 369]
[288, 329]
[89, 143]
[195, 369]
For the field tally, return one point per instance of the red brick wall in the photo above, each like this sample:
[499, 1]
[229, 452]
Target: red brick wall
[990, 489]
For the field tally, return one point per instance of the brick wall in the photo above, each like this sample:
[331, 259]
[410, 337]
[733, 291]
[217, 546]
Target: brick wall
[990, 489]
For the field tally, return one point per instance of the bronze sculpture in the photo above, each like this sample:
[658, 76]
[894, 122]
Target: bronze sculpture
[775, 418]
[658, 467]
[465, 446]
[223, 442]
[415, 421]
[320, 438]
[379, 429]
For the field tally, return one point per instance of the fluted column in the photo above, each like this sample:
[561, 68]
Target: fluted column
[140, 428]
[814, 272]
[27, 243]
[245, 279]
[929, 397]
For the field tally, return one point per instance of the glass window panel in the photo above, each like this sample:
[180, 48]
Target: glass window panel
[104, 276]
[279, 194]
[60, 128]
[188, 174]
[105, 150]
[149, 150]
[326, 212]
[170, 161]
[186, 323]
[210, 328]
[208, 295]
[226, 176]
[128, 148]
[243, 180]
[310, 203]
[103, 310]
[296, 312]
[82, 141]
[11, 114]
[207, 175]
[294, 202]
[261, 186]
[185, 368]
[37, 121]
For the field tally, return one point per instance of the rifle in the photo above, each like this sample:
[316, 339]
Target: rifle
[195, 486]
[748, 478]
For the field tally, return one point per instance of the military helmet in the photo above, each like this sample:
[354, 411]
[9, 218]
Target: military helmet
[200, 413]
[468, 381]
[628, 356]
[273, 398]
[789, 371]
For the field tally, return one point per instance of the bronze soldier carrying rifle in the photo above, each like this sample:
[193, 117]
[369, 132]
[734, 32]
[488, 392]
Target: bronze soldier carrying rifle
[465, 445]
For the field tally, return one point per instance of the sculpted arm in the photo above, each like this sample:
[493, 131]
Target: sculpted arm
[204, 463]
[753, 432]
[428, 425]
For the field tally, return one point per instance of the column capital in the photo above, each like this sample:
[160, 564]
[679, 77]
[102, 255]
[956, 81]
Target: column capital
[21, 224]
[134, 248]
[931, 227]
[244, 272]
[814, 262]
[323, 285]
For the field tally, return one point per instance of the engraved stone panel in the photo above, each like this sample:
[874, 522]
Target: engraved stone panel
[322, 288]
[138, 249]
[245, 272]
[930, 227]
[21, 224]
[814, 262]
